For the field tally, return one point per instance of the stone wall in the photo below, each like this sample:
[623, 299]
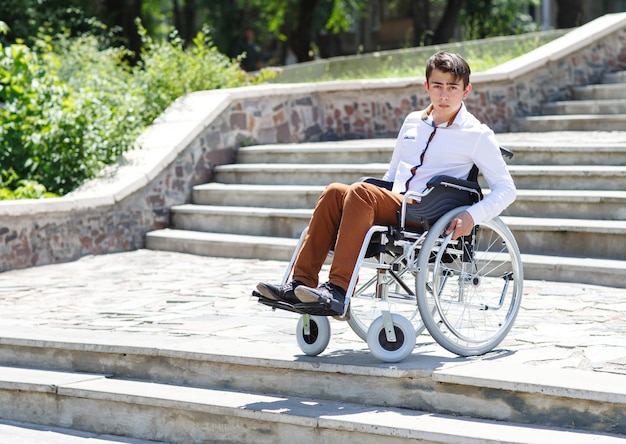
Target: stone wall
[204, 129]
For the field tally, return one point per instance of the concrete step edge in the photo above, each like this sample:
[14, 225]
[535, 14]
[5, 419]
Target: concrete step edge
[240, 211]
[521, 223]
[599, 87]
[551, 194]
[597, 271]
[514, 222]
[614, 77]
[524, 146]
[352, 144]
[19, 432]
[556, 140]
[583, 107]
[588, 101]
[222, 238]
[577, 117]
[255, 188]
[306, 414]
[381, 167]
[571, 195]
[518, 377]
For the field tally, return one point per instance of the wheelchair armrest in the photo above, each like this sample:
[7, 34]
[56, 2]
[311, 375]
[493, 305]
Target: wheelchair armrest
[506, 152]
[378, 182]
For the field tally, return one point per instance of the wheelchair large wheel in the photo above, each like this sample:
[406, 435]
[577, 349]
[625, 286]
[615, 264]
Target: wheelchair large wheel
[386, 351]
[365, 303]
[469, 290]
[316, 339]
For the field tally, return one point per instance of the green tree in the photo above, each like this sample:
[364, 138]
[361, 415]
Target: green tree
[292, 21]
[490, 18]
[70, 107]
[27, 19]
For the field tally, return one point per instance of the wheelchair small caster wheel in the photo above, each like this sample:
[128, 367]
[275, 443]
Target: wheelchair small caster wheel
[386, 351]
[314, 341]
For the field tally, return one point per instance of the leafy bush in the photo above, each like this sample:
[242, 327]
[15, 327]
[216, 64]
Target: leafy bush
[68, 108]
[167, 71]
[24, 189]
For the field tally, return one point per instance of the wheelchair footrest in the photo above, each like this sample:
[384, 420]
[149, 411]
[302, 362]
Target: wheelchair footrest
[313, 308]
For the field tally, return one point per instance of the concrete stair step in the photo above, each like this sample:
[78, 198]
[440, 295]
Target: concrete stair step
[249, 195]
[599, 92]
[536, 151]
[255, 221]
[583, 152]
[572, 177]
[586, 270]
[554, 267]
[569, 204]
[606, 106]
[177, 391]
[614, 77]
[576, 204]
[557, 236]
[221, 245]
[578, 122]
[569, 177]
[296, 174]
[15, 432]
[603, 239]
[374, 150]
[145, 410]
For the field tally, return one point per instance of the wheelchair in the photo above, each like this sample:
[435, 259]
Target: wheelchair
[412, 277]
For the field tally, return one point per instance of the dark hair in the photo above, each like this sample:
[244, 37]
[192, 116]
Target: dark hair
[449, 62]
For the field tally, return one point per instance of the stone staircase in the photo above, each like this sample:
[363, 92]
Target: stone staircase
[569, 217]
[599, 107]
[180, 393]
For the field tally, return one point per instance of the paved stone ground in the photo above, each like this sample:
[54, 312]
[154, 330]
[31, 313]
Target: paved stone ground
[207, 299]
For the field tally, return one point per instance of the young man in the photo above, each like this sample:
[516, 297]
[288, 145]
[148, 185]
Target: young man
[445, 138]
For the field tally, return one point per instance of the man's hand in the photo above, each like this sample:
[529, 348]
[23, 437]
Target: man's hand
[461, 225]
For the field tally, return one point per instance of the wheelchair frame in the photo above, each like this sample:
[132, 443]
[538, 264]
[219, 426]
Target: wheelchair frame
[453, 299]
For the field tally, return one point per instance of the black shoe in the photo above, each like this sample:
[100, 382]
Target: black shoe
[279, 292]
[326, 293]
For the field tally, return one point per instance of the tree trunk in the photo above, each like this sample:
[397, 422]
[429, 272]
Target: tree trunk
[177, 15]
[123, 13]
[569, 14]
[300, 38]
[447, 25]
[421, 22]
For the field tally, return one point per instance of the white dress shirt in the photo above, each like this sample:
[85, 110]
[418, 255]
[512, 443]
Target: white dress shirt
[453, 150]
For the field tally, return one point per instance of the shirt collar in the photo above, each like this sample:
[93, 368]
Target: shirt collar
[456, 119]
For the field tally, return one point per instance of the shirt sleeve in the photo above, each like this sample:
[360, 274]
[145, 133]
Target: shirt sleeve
[488, 159]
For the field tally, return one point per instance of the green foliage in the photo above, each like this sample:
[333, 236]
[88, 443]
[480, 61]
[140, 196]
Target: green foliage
[29, 18]
[168, 71]
[65, 113]
[13, 188]
[67, 107]
[490, 18]
[481, 55]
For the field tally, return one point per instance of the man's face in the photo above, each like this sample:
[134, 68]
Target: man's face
[446, 93]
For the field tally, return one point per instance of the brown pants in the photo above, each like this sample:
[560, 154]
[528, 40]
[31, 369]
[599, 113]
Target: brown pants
[342, 216]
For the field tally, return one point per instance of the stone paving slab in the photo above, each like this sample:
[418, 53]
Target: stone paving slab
[174, 298]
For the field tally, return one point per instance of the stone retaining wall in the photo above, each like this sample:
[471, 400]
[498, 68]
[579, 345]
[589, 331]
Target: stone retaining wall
[203, 129]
